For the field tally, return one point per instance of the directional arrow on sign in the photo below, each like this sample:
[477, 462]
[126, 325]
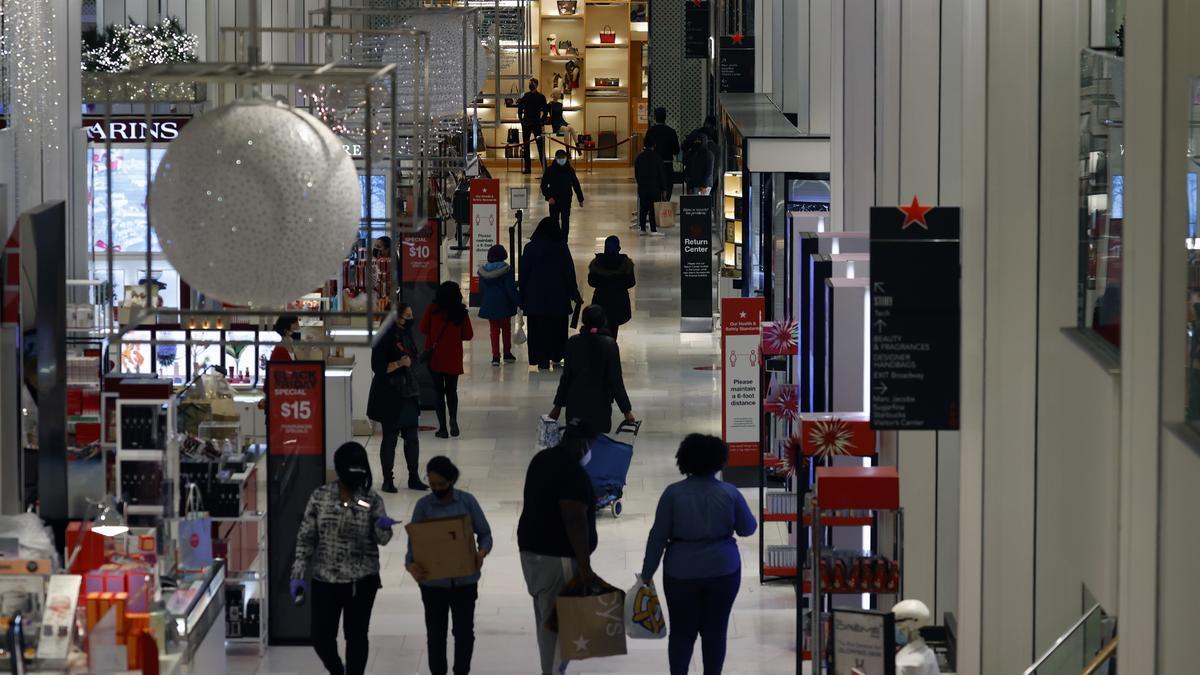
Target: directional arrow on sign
[878, 287]
[880, 325]
[881, 389]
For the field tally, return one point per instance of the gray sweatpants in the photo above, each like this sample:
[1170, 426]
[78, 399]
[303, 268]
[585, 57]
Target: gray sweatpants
[545, 577]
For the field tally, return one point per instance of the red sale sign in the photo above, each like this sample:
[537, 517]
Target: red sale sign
[420, 255]
[485, 223]
[296, 408]
[741, 378]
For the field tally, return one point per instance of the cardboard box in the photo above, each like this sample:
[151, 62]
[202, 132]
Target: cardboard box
[445, 547]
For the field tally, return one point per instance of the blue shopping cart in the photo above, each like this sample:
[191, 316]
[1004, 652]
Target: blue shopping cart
[609, 466]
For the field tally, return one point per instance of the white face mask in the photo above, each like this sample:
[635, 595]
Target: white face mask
[562, 161]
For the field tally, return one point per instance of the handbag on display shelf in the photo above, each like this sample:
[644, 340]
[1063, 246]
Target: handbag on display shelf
[510, 101]
[608, 36]
[567, 7]
[195, 533]
[514, 138]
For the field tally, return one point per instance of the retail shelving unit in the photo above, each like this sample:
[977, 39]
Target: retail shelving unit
[846, 496]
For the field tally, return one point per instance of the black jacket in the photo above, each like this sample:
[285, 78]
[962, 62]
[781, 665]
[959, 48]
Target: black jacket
[393, 397]
[666, 141]
[612, 277]
[559, 181]
[648, 171]
[698, 163]
[531, 109]
[592, 380]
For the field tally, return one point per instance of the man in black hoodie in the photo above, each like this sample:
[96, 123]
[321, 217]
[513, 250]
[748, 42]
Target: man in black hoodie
[558, 182]
[666, 143]
[651, 185]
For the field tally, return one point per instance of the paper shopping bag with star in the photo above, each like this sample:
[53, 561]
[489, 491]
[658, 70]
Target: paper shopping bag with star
[591, 622]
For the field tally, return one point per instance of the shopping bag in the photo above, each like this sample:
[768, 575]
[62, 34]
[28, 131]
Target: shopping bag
[665, 214]
[590, 622]
[643, 614]
[520, 337]
[549, 434]
[195, 533]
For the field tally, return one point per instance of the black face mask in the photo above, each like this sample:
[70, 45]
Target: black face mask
[295, 336]
[442, 494]
[354, 477]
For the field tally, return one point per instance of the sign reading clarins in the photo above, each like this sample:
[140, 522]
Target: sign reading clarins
[133, 129]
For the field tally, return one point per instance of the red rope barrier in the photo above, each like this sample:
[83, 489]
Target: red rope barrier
[554, 139]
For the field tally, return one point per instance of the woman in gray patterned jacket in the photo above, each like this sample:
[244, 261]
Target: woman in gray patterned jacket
[344, 525]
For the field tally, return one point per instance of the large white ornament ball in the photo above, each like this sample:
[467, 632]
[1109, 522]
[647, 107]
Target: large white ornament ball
[256, 203]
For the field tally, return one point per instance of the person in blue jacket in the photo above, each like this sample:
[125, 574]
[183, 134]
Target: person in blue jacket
[449, 598]
[499, 301]
[695, 524]
[548, 287]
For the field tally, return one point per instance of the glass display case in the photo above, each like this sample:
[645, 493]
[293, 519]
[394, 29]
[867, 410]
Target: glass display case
[1101, 193]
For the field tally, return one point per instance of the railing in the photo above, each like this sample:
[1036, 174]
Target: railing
[1078, 651]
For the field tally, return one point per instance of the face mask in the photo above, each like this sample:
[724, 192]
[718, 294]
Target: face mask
[354, 477]
[442, 494]
[901, 638]
[562, 161]
[295, 336]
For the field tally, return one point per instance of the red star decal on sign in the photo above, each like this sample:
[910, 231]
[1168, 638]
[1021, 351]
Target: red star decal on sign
[914, 214]
[737, 38]
[696, 2]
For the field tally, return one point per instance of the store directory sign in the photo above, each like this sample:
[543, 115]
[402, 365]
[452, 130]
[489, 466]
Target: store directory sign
[735, 66]
[695, 263]
[915, 317]
[485, 225]
[863, 642]
[741, 379]
[695, 29]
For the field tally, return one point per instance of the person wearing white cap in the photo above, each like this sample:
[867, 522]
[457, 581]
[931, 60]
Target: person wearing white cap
[915, 657]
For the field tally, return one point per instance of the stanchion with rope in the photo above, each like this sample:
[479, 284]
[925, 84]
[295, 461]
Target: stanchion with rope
[581, 149]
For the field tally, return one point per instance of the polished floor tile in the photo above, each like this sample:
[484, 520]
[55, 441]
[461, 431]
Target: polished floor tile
[499, 409]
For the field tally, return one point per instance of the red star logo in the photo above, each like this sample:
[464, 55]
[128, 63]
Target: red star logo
[914, 214]
[696, 3]
[737, 38]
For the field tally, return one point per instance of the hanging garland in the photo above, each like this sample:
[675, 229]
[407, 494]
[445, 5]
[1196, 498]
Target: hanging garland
[123, 47]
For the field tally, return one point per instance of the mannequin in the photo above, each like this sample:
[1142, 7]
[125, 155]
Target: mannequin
[914, 657]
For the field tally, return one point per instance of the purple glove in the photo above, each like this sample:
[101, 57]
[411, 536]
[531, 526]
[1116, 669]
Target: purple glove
[299, 590]
[385, 523]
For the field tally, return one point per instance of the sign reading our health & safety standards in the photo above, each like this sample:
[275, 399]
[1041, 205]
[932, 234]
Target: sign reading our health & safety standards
[741, 377]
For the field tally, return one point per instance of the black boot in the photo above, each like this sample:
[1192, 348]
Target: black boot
[389, 486]
[454, 427]
[415, 483]
[441, 417]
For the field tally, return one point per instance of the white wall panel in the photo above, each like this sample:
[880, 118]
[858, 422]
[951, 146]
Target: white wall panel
[820, 18]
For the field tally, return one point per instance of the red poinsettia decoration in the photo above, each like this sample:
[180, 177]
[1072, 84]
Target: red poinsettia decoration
[781, 338]
[831, 437]
[793, 455]
[783, 400]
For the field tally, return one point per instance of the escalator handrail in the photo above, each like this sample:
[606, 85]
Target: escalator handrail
[1031, 670]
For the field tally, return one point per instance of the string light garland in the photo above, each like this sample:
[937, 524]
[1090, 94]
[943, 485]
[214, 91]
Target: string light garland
[123, 47]
[32, 61]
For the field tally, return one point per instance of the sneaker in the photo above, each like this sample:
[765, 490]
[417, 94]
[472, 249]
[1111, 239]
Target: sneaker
[415, 483]
[634, 225]
[389, 486]
[509, 358]
[643, 233]
[495, 361]
[657, 234]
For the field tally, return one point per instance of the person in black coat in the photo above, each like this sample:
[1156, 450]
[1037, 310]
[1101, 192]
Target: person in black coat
[611, 274]
[531, 111]
[548, 287]
[558, 182]
[395, 398]
[651, 185]
[592, 379]
[666, 144]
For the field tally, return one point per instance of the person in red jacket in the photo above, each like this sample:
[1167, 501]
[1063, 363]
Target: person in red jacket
[288, 327]
[446, 326]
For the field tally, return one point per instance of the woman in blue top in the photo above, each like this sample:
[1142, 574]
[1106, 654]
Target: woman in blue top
[454, 597]
[695, 523]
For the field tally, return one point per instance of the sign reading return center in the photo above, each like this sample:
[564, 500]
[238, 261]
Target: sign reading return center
[741, 373]
[695, 263]
[915, 317]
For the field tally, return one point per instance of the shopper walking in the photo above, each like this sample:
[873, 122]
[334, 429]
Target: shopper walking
[287, 327]
[558, 182]
[592, 378]
[454, 598]
[531, 111]
[651, 186]
[344, 525]
[611, 274]
[499, 301]
[556, 533]
[665, 142]
[446, 326]
[699, 163]
[695, 524]
[395, 398]
[548, 286]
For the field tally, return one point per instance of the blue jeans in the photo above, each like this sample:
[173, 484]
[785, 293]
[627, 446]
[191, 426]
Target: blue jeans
[699, 607]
